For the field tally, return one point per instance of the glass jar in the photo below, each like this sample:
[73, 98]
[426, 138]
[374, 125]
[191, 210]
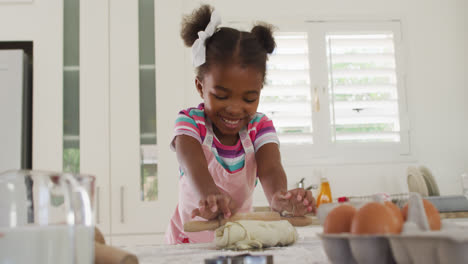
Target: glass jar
[46, 217]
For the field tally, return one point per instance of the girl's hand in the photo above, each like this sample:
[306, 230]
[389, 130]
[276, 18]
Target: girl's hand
[297, 201]
[213, 206]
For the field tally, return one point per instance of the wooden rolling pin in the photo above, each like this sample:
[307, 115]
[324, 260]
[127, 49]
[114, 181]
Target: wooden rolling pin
[104, 254]
[197, 226]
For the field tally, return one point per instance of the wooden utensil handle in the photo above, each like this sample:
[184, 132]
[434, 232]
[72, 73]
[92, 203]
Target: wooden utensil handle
[298, 220]
[197, 226]
[262, 216]
[104, 254]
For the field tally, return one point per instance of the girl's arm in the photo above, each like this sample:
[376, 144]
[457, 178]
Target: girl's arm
[270, 171]
[274, 183]
[193, 162]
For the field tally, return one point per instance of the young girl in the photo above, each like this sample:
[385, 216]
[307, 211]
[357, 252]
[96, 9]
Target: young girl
[223, 145]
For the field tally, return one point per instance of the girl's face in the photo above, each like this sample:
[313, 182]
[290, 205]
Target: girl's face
[231, 95]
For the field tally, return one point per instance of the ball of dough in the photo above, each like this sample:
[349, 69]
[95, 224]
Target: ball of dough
[248, 234]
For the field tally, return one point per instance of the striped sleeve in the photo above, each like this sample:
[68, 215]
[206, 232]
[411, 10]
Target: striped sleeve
[262, 131]
[189, 123]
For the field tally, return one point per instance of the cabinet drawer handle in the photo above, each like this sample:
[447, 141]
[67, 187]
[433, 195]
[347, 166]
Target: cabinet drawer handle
[122, 219]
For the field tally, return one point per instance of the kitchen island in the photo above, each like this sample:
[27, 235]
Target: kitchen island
[308, 249]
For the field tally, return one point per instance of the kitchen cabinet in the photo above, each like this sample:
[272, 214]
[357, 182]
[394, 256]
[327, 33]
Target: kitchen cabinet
[14, 110]
[40, 22]
[107, 69]
[111, 70]
[94, 104]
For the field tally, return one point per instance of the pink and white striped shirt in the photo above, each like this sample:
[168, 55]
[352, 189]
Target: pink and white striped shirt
[191, 122]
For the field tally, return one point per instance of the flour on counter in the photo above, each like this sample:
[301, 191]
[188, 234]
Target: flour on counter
[305, 250]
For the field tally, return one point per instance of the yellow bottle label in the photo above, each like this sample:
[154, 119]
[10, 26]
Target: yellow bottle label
[325, 194]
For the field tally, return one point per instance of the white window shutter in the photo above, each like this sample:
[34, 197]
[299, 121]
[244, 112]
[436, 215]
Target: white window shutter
[363, 87]
[286, 97]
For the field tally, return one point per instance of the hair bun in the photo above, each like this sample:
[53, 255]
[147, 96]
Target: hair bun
[263, 32]
[195, 22]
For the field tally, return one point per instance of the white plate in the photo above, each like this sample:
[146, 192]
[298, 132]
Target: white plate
[430, 181]
[416, 181]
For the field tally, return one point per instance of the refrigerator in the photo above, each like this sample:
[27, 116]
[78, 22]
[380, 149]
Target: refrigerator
[15, 110]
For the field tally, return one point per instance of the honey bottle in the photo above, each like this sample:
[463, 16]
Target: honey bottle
[325, 192]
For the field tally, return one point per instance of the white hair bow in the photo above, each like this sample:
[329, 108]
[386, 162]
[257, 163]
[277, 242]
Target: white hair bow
[199, 48]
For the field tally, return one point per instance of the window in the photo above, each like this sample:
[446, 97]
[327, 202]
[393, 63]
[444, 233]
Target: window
[147, 73]
[71, 86]
[362, 87]
[334, 87]
[286, 95]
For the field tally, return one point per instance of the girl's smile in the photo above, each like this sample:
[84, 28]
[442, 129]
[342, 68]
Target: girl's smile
[231, 95]
[232, 124]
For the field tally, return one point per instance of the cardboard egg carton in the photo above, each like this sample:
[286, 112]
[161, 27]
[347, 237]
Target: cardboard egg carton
[415, 245]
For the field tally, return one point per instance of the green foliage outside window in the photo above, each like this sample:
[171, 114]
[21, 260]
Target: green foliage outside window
[361, 128]
[71, 160]
[149, 180]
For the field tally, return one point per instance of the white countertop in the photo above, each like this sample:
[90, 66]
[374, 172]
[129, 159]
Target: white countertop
[308, 249]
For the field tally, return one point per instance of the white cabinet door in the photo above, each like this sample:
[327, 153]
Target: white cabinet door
[111, 70]
[130, 214]
[11, 108]
[41, 23]
[94, 104]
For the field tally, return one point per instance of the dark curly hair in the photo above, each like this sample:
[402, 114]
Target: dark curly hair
[228, 45]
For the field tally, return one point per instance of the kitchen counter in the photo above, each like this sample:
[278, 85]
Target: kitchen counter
[308, 249]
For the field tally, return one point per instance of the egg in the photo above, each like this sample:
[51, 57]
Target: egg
[375, 218]
[433, 216]
[339, 219]
[397, 214]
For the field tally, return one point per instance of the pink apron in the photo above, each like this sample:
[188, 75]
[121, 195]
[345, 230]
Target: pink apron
[239, 185]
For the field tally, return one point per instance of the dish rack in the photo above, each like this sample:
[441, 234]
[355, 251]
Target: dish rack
[400, 199]
[445, 203]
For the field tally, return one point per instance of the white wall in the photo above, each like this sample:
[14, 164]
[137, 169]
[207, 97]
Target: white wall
[463, 18]
[436, 37]
[437, 34]
[41, 22]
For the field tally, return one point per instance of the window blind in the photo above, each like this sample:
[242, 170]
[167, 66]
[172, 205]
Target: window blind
[286, 96]
[363, 87]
